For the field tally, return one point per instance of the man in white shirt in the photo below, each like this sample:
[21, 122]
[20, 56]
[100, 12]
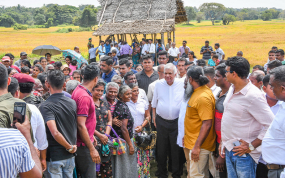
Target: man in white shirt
[219, 52]
[144, 48]
[167, 98]
[173, 52]
[37, 123]
[210, 74]
[151, 49]
[273, 144]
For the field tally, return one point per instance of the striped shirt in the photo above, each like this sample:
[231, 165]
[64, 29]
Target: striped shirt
[15, 155]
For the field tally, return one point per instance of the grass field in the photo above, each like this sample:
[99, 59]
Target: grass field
[254, 38]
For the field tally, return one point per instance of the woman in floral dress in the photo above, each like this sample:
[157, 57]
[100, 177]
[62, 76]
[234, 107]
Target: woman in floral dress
[103, 118]
[141, 115]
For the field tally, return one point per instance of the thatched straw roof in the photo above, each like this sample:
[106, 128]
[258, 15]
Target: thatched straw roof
[139, 16]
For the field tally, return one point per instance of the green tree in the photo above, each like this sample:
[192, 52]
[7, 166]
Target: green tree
[191, 13]
[212, 10]
[40, 19]
[6, 20]
[274, 13]
[228, 18]
[200, 16]
[49, 23]
[242, 16]
[88, 17]
[282, 15]
[266, 15]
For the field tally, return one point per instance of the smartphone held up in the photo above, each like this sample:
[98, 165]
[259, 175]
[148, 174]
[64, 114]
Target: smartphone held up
[19, 113]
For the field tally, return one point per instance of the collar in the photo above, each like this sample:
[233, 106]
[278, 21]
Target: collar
[110, 74]
[201, 87]
[224, 95]
[143, 73]
[82, 87]
[5, 97]
[27, 96]
[57, 94]
[282, 104]
[245, 89]
[213, 87]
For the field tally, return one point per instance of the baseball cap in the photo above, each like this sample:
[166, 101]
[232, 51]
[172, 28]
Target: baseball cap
[6, 58]
[23, 53]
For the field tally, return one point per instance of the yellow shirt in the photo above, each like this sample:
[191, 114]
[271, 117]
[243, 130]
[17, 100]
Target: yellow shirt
[200, 107]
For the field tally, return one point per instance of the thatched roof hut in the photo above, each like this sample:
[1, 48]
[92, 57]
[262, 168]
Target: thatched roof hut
[121, 17]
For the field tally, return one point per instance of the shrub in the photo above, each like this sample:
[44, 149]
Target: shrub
[20, 27]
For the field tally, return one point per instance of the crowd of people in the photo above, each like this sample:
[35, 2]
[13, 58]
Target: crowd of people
[211, 115]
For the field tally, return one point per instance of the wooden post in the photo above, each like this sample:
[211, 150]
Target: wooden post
[174, 34]
[118, 38]
[152, 37]
[100, 40]
[162, 39]
[144, 35]
[125, 36]
[131, 37]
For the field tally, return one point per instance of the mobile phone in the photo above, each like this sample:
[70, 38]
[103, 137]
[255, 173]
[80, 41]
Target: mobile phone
[237, 143]
[19, 113]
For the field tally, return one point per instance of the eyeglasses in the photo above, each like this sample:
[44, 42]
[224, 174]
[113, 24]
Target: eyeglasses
[229, 71]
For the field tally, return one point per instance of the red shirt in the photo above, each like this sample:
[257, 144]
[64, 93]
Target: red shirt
[85, 107]
[15, 67]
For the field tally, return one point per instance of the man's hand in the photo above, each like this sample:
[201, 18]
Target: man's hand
[117, 122]
[103, 138]
[221, 152]
[132, 150]
[44, 164]
[195, 152]
[242, 149]
[220, 164]
[74, 149]
[25, 127]
[38, 152]
[95, 156]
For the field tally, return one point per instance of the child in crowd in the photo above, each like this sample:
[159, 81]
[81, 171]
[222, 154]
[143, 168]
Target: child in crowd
[214, 61]
[175, 62]
[115, 58]
[73, 66]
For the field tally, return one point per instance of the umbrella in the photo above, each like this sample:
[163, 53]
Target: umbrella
[75, 56]
[42, 50]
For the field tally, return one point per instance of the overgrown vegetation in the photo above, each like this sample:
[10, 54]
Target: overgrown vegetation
[67, 30]
[49, 15]
[216, 11]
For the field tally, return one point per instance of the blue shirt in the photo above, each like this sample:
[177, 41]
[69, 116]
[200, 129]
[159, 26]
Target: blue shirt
[92, 52]
[107, 48]
[134, 71]
[175, 63]
[211, 62]
[102, 50]
[115, 60]
[108, 78]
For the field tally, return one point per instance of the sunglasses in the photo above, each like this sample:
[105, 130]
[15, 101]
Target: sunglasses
[229, 71]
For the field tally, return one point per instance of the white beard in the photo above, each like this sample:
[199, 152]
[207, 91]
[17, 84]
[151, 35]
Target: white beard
[188, 92]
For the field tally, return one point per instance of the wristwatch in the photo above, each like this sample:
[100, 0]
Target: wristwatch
[69, 150]
[251, 147]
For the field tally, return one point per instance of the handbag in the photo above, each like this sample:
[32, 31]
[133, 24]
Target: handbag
[147, 140]
[103, 150]
[119, 144]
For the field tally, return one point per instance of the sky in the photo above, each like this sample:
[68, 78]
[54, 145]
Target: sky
[228, 3]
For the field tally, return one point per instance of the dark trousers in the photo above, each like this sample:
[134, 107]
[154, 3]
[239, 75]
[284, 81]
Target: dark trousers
[84, 163]
[171, 59]
[93, 60]
[167, 132]
[125, 55]
[274, 173]
[261, 171]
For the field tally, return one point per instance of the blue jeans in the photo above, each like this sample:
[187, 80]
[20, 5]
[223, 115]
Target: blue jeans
[240, 167]
[60, 169]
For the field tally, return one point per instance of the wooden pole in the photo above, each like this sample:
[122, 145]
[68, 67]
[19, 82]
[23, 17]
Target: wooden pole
[162, 38]
[152, 37]
[100, 40]
[125, 36]
[174, 34]
[118, 38]
[131, 37]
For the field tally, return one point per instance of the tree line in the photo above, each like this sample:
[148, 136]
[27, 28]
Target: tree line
[49, 15]
[218, 12]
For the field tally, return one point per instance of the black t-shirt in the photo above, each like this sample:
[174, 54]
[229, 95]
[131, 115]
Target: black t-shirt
[63, 110]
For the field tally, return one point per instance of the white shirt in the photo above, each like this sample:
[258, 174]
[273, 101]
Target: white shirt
[144, 49]
[138, 111]
[195, 60]
[152, 48]
[220, 53]
[38, 127]
[273, 143]
[215, 90]
[181, 122]
[142, 95]
[151, 90]
[173, 52]
[167, 99]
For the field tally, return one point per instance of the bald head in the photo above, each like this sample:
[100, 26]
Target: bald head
[256, 78]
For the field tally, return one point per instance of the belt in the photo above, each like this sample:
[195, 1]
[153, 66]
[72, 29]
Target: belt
[171, 121]
[275, 166]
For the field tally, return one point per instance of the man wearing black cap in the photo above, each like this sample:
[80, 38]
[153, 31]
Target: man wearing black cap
[206, 51]
[23, 55]
[26, 84]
